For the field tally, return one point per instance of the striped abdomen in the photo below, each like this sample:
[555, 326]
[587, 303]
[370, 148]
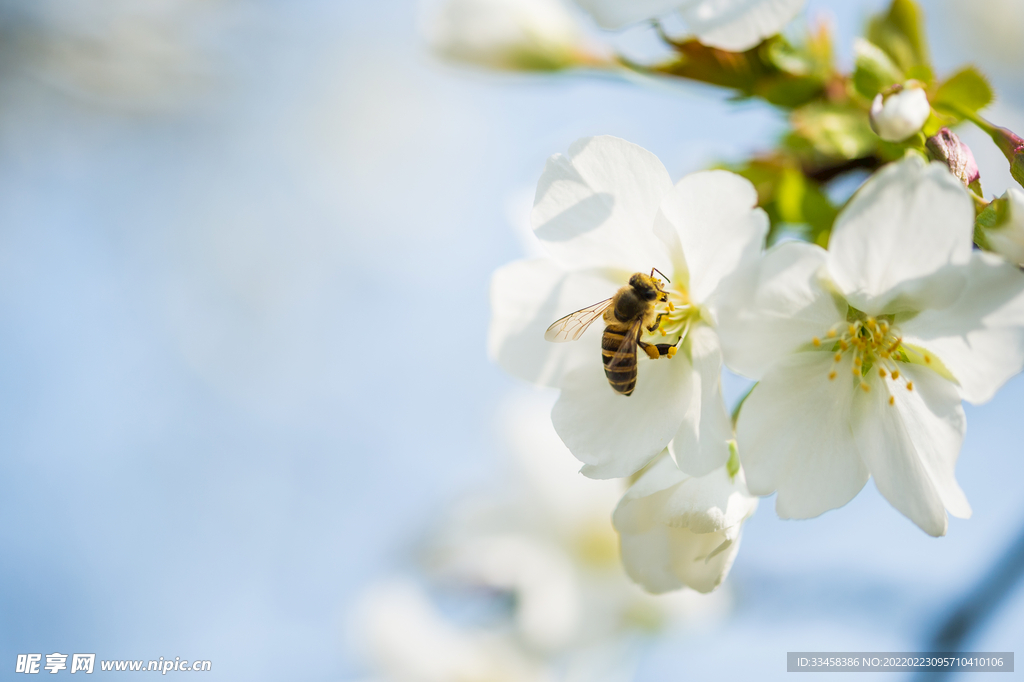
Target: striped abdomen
[621, 375]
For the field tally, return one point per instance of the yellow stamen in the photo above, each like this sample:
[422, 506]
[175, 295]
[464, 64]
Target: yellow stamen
[892, 400]
[838, 357]
[865, 387]
[672, 352]
[816, 341]
[895, 374]
[910, 385]
[832, 375]
[881, 373]
[831, 333]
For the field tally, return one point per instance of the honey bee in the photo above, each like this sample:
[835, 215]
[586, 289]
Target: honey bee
[632, 309]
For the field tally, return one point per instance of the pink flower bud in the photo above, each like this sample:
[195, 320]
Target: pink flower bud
[1012, 148]
[950, 150]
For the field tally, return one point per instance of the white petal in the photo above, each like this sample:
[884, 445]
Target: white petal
[616, 435]
[911, 447]
[595, 207]
[701, 443]
[615, 14]
[891, 247]
[526, 297]
[666, 558]
[680, 530]
[980, 338]
[710, 221]
[738, 25]
[794, 436]
[775, 306]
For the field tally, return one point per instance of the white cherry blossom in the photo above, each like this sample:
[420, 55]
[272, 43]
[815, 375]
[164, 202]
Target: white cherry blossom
[682, 531]
[604, 211]
[864, 352]
[734, 25]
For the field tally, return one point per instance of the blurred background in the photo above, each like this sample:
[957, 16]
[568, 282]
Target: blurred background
[245, 250]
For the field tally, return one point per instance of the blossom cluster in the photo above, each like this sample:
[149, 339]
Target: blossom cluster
[864, 326]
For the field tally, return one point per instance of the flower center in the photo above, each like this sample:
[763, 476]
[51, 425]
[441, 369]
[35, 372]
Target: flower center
[676, 316]
[875, 345]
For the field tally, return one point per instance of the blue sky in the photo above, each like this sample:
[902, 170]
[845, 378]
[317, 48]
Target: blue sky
[219, 333]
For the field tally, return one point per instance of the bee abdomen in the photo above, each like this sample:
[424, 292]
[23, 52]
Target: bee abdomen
[622, 376]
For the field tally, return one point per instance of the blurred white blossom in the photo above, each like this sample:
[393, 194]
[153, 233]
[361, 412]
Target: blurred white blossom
[901, 114]
[506, 34]
[864, 352]
[546, 542]
[734, 25]
[602, 212]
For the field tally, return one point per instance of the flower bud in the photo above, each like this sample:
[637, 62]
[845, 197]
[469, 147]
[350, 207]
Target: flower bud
[901, 113]
[950, 150]
[521, 35]
[1003, 225]
[1012, 148]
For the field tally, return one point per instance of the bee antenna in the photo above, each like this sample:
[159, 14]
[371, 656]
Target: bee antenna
[656, 270]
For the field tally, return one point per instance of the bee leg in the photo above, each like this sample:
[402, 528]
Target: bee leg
[667, 349]
[653, 352]
[657, 321]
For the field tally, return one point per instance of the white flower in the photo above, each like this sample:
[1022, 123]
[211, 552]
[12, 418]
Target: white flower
[1007, 238]
[506, 34]
[734, 25]
[864, 352]
[898, 116]
[606, 210]
[678, 530]
[406, 639]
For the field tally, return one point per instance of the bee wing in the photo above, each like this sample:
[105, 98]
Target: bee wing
[572, 326]
[626, 349]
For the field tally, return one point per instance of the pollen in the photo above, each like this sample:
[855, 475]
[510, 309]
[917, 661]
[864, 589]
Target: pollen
[872, 343]
[927, 359]
[672, 352]
[892, 400]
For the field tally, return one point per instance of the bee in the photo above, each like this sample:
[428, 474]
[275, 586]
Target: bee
[632, 309]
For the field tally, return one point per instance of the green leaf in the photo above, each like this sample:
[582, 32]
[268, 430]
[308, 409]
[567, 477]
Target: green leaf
[900, 32]
[875, 70]
[966, 92]
[835, 130]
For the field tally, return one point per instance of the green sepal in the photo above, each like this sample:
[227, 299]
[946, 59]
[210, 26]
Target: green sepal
[733, 465]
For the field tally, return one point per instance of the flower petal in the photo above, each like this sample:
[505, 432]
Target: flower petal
[526, 297]
[771, 308]
[681, 530]
[738, 25]
[710, 220]
[614, 14]
[911, 446]
[665, 558]
[595, 207]
[980, 338]
[701, 443]
[794, 436]
[891, 247]
[616, 435]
